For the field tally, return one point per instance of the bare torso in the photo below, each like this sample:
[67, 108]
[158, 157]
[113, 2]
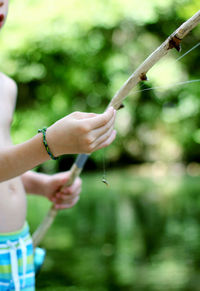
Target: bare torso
[12, 193]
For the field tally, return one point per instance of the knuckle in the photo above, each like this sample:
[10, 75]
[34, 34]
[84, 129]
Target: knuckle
[90, 148]
[70, 192]
[75, 113]
[89, 140]
[84, 128]
[109, 126]
[107, 134]
[105, 120]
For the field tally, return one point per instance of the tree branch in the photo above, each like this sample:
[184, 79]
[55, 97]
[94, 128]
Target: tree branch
[173, 41]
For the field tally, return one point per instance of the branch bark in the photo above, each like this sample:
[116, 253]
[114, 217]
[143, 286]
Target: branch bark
[173, 41]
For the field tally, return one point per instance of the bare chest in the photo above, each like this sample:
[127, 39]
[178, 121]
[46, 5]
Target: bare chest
[8, 94]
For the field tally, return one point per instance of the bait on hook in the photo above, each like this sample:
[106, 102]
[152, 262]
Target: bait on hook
[105, 181]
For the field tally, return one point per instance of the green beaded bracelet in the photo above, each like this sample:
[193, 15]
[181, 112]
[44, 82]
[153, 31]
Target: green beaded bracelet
[43, 131]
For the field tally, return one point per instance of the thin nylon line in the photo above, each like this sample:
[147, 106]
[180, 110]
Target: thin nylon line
[104, 180]
[179, 83]
[162, 87]
[104, 167]
[168, 86]
[156, 87]
[182, 56]
[194, 47]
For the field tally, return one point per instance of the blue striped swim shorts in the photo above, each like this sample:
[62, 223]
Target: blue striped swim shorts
[16, 261]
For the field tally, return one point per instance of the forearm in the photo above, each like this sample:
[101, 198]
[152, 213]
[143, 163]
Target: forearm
[75, 133]
[34, 183]
[16, 160]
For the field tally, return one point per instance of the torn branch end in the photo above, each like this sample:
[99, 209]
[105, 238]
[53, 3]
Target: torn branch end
[143, 77]
[175, 42]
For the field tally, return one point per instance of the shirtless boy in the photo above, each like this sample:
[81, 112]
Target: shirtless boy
[76, 133]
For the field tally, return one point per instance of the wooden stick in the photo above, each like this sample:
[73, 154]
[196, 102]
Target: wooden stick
[75, 171]
[173, 41]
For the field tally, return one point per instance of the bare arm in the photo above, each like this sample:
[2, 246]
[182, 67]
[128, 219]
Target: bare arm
[53, 187]
[34, 183]
[76, 133]
[17, 159]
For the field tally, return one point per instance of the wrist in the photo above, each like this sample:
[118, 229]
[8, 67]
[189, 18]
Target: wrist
[42, 154]
[46, 144]
[45, 185]
[35, 183]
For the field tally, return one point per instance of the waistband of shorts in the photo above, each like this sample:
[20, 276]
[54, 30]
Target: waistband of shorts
[24, 231]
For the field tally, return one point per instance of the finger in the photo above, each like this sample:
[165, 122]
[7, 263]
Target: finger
[106, 142]
[66, 205]
[69, 190]
[83, 115]
[103, 137]
[61, 179]
[102, 130]
[67, 197]
[101, 119]
[69, 193]
[65, 200]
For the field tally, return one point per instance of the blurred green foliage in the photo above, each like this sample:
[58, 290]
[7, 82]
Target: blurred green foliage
[140, 233]
[74, 55]
[137, 234]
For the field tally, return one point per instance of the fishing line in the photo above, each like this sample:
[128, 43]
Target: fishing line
[104, 180]
[163, 87]
[178, 59]
[194, 47]
[169, 86]
[118, 103]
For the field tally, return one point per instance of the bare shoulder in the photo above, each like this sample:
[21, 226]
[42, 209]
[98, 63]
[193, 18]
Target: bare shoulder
[8, 86]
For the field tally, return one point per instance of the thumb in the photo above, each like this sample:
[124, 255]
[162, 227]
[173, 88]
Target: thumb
[101, 119]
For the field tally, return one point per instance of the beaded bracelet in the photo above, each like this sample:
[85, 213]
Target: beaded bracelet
[43, 131]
